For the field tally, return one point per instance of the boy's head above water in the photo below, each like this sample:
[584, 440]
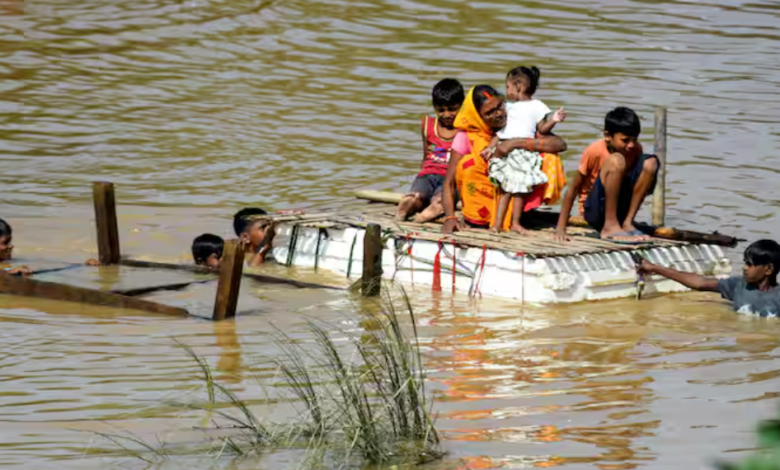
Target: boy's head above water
[207, 250]
[621, 130]
[448, 96]
[762, 260]
[250, 231]
[522, 82]
[6, 241]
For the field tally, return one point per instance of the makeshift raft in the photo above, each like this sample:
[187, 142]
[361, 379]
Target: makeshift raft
[533, 268]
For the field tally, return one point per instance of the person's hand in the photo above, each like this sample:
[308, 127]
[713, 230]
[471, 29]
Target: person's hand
[559, 115]
[451, 225]
[503, 149]
[561, 236]
[92, 262]
[19, 271]
[645, 267]
[487, 153]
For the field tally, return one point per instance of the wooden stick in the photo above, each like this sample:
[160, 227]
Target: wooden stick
[229, 281]
[27, 287]
[105, 219]
[372, 260]
[659, 195]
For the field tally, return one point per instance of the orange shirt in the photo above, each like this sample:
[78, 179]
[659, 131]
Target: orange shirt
[590, 166]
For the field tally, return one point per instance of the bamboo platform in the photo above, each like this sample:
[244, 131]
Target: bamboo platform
[533, 268]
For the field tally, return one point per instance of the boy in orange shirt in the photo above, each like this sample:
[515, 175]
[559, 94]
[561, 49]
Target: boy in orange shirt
[613, 180]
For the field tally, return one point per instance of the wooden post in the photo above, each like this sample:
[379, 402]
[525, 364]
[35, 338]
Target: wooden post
[659, 195]
[229, 281]
[372, 260]
[105, 219]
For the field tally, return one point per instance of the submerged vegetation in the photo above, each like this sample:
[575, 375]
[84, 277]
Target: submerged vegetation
[360, 398]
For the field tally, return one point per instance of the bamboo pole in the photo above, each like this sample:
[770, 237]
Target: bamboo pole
[372, 261]
[229, 281]
[659, 195]
[105, 220]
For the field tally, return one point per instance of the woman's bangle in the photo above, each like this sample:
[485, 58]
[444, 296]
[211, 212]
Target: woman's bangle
[450, 217]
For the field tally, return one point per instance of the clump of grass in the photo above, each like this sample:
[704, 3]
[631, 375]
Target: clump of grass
[363, 397]
[767, 457]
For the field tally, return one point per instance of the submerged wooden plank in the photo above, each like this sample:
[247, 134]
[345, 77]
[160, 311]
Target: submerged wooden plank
[28, 287]
[203, 270]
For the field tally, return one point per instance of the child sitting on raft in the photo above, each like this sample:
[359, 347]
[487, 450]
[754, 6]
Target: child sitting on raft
[437, 136]
[255, 234]
[207, 250]
[521, 170]
[755, 292]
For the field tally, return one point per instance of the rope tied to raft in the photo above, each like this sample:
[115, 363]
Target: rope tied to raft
[292, 245]
[317, 249]
[411, 260]
[437, 269]
[453, 265]
[351, 254]
[477, 289]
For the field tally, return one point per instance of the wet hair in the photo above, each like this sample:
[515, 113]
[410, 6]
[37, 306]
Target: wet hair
[206, 245]
[481, 94]
[5, 229]
[241, 223]
[448, 92]
[531, 73]
[763, 253]
[623, 120]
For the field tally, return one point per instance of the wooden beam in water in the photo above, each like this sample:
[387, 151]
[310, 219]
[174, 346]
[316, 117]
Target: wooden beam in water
[105, 220]
[372, 261]
[229, 281]
[204, 270]
[659, 195]
[27, 287]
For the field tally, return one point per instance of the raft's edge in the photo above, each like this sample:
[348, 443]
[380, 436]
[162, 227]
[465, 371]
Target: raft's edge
[562, 279]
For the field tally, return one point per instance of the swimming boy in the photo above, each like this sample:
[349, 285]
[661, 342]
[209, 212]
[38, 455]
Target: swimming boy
[612, 181]
[755, 292]
[7, 249]
[255, 235]
[207, 250]
[437, 136]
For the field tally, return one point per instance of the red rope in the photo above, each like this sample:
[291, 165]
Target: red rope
[437, 269]
[453, 266]
[477, 290]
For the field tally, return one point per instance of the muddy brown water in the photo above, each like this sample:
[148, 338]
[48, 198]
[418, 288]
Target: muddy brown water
[196, 108]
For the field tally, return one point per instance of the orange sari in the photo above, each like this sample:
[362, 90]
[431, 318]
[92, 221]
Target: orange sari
[478, 194]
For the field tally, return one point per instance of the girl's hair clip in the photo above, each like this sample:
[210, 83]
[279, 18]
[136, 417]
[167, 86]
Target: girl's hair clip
[486, 95]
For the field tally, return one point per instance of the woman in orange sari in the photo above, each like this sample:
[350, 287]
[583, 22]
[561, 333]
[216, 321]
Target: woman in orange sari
[480, 117]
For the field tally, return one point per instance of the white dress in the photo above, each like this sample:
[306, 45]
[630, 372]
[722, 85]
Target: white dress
[521, 170]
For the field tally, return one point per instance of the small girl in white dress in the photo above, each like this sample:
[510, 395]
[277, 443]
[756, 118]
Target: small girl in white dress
[521, 170]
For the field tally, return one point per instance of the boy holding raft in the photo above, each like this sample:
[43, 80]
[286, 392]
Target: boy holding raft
[755, 292]
[437, 136]
[613, 180]
[256, 235]
[7, 249]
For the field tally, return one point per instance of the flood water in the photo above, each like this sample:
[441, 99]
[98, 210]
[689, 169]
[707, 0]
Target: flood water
[197, 108]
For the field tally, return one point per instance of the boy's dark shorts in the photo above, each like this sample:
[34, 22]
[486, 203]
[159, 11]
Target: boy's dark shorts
[427, 186]
[595, 204]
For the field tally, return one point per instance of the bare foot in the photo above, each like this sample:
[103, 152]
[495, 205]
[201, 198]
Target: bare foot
[517, 228]
[495, 230]
[619, 235]
[629, 227]
[407, 206]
